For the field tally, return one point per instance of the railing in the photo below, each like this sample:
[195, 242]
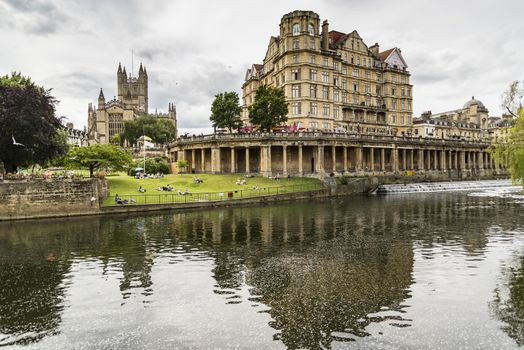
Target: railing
[181, 197]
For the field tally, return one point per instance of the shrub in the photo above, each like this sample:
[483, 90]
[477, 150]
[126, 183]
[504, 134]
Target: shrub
[153, 166]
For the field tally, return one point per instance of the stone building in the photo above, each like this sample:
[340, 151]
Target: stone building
[333, 80]
[107, 118]
[76, 137]
[471, 122]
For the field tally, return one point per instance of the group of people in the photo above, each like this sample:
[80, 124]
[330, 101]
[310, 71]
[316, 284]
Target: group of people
[122, 201]
[198, 180]
[241, 182]
[165, 188]
[142, 175]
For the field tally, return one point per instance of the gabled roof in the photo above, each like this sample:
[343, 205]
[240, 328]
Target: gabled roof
[385, 54]
[336, 37]
[393, 57]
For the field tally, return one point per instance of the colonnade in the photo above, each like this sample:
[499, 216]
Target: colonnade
[299, 158]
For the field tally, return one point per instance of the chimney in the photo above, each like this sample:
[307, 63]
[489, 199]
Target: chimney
[374, 49]
[325, 35]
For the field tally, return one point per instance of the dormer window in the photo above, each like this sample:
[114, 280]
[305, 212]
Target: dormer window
[296, 29]
[310, 29]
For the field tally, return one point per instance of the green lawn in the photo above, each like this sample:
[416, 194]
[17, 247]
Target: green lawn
[214, 187]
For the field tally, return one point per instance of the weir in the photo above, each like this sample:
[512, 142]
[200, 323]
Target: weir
[443, 186]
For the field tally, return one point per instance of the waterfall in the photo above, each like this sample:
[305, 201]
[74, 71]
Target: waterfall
[441, 186]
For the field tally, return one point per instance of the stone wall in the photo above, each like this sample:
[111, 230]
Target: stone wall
[50, 198]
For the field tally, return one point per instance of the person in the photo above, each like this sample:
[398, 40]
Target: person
[93, 200]
[141, 190]
[117, 198]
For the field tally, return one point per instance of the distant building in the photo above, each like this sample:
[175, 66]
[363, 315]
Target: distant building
[107, 119]
[471, 122]
[76, 137]
[333, 80]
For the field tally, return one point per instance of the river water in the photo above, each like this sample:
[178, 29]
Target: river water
[417, 271]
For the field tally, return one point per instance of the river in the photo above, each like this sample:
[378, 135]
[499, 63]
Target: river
[414, 271]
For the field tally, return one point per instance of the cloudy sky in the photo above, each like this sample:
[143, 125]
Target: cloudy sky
[195, 49]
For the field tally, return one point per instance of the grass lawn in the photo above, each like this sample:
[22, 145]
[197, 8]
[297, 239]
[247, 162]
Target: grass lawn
[216, 186]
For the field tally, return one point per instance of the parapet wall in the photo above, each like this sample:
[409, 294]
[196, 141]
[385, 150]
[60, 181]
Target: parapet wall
[48, 198]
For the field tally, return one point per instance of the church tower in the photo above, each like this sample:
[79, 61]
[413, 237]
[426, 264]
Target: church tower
[133, 91]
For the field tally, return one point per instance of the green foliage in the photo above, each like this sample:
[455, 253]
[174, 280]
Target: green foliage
[512, 152]
[27, 114]
[116, 139]
[182, 164]
[344, 180]
[269, 108]
[98, 156]
[225, 111]
[160, 130]
[153, 166]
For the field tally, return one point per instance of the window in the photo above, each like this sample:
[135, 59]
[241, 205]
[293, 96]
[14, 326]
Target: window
[355, 99]
[296, 107]
[367, 88]
[335, 66]
[355, 72]
[402, 92]
[368, 101]
[344, 84]
[344, 70]
[402, 119]
[326, 125]
[313, 74]
[335, 95]
[394, 118]
[311, 29]
[335, 113]
[344, 97]
[313, 108]
[283, 78]
[325, 92]
[368, 74]
[394, 104]
[296, 29]
[295, 90]
[295, 58]
[312, 43]
[394, 77]
[116, 124]
[313, 90]
[335, 81]
[295, 74]
[326, 61]
[355, 87]
[312, 59]
[402, 105]
[393, 91]
[325, 77]
[325, 109]
[296, 44]
[358, 61]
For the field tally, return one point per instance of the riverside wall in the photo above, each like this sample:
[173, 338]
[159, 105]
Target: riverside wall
[39, 198]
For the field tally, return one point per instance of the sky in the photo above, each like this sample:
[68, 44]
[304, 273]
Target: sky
[196, 49]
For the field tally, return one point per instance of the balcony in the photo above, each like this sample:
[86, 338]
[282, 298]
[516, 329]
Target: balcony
[364, 107]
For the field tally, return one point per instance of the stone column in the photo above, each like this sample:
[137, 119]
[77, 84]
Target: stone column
[450, 160]
[443, 160]
[412, 158]
[382, 159]
[334, 158]
[319, 166]
[284, 160]
[232, 170]
[462, 160]
[215, 160]
[394, 156]
[345, 154]
[421, 159]
[247, 160]
[300, 167]
[358, 161]
[372, 158]
[404, 160]
[265, 160]
[193, 156]
[481, 160]
[203, 160]
[435, 156]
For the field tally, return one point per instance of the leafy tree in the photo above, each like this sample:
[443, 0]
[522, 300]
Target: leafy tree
[182, 164]
[161, 131]
[225, 111]
[269, 108]
[153, 166]
[512, 98]
[96, 156]
[512, 151]
[27, 116]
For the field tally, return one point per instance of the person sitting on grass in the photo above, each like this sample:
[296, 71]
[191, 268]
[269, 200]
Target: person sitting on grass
[117, 198]
[141, 190]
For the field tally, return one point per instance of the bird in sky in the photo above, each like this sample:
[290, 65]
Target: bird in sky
[16, 143]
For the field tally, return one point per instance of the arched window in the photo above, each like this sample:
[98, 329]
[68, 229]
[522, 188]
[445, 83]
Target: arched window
[296, 29]
[310, 29]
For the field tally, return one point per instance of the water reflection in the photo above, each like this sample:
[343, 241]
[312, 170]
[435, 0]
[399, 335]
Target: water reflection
[324, 272]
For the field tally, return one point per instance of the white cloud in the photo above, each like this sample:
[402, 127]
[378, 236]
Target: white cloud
[194, 50]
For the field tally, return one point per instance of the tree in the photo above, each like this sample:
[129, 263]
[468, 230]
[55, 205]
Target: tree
[29, 130]
[512, 98]
[160, 130]
[225, 111]
[269, 108]
[512, 151]
[96, 156]
[152, 166]
[182, 164]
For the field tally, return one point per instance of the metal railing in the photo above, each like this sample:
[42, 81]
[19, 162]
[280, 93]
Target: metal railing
[189, 197]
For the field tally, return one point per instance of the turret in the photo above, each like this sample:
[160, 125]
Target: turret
[119, 74]
[101, 100]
